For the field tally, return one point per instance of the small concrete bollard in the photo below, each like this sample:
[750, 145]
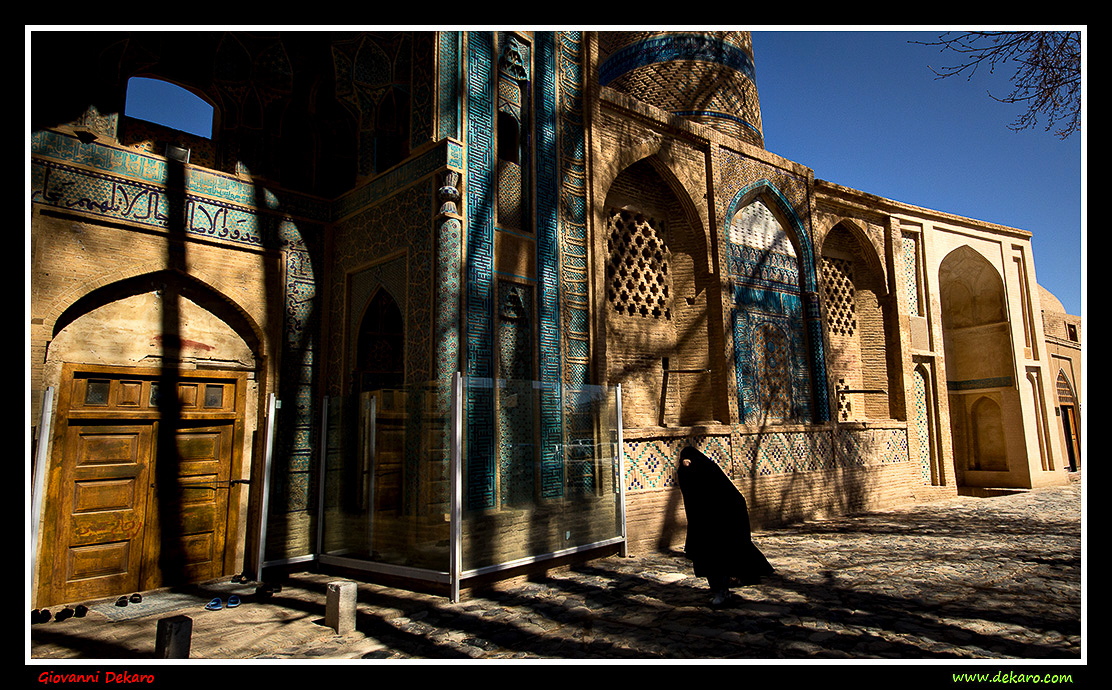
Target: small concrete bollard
[339, 612]
[173, 637]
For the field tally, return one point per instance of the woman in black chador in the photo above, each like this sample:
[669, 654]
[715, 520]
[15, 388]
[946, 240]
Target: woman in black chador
[719, 541]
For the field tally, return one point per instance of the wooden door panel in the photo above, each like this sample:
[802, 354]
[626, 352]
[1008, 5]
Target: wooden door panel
[97, 561]
[92, 496]
[116, 446]
[204, 462]
[103, 535]
[104, 505]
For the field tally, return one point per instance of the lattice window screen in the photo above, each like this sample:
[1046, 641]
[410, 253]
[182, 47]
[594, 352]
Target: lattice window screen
[637, 272]
[838, 292]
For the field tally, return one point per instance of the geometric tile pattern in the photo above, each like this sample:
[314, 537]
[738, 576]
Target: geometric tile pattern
[773, 380]
[479, 269]
[778, 288]
[707, 77]
[744, 179]
[550, 232]
[567, 50]
[910, 273]
[448, 81]
[299, 416]
[774, 388]
[511, 206]
[673, 46]
[919, 423]
[559, 156]
[422, 89]
[651, 463]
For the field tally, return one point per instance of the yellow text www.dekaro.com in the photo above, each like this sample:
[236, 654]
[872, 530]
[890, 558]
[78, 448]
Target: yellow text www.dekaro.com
[1013, 677]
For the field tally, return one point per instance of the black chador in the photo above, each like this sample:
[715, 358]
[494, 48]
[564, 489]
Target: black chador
[719, 541]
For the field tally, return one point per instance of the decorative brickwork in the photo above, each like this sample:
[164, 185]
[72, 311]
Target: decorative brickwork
[706, 77]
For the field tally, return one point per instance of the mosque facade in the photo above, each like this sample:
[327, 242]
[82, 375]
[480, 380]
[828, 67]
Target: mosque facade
[442, 304]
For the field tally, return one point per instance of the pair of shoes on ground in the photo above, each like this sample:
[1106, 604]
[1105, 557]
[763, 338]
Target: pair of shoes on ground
[134, 599]
[44, 615]
[265, 590]
[217, 603]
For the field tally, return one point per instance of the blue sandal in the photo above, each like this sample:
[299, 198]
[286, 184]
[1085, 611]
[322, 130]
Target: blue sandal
[233, 601]
[214, 605]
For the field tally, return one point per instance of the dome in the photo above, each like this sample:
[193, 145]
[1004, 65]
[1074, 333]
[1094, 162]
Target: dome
[1049, 302]
[706, 77]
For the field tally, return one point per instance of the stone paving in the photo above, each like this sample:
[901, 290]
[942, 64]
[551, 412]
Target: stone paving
[964, 578]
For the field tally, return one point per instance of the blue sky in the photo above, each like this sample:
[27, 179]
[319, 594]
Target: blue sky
[862, 109]
[155, 100]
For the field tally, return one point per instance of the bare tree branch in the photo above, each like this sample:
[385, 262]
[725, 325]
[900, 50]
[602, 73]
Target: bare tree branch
[1047, 77]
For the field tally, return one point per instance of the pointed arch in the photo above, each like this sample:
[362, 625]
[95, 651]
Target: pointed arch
[766, 191]
[184, 285]
[971, 289]
[656, 283]
[870, 253]
[380, 344]
[857, 312]
[1067, 392]
[921, 422]
[988, 439]
[774, 282]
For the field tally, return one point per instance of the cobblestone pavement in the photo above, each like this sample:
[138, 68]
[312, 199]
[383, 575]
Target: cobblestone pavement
[964, 578]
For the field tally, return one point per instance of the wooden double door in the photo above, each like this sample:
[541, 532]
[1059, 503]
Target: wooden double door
[138, 498]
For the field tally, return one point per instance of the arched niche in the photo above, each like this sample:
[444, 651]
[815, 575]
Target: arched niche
[989, 448]
[976, 332]
[770, 263]
[380, 345]
[659, 339]
[979, 366]
[857, 315]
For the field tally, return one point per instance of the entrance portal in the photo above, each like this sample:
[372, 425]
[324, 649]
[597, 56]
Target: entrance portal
[125, 515]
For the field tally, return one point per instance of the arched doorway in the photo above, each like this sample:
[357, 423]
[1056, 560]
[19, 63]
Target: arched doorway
[378, 378]
[148, 468]
[1071, 428]
[380, 345]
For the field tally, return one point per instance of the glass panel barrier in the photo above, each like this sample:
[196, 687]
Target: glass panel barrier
[539, 476]
[386, 497]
